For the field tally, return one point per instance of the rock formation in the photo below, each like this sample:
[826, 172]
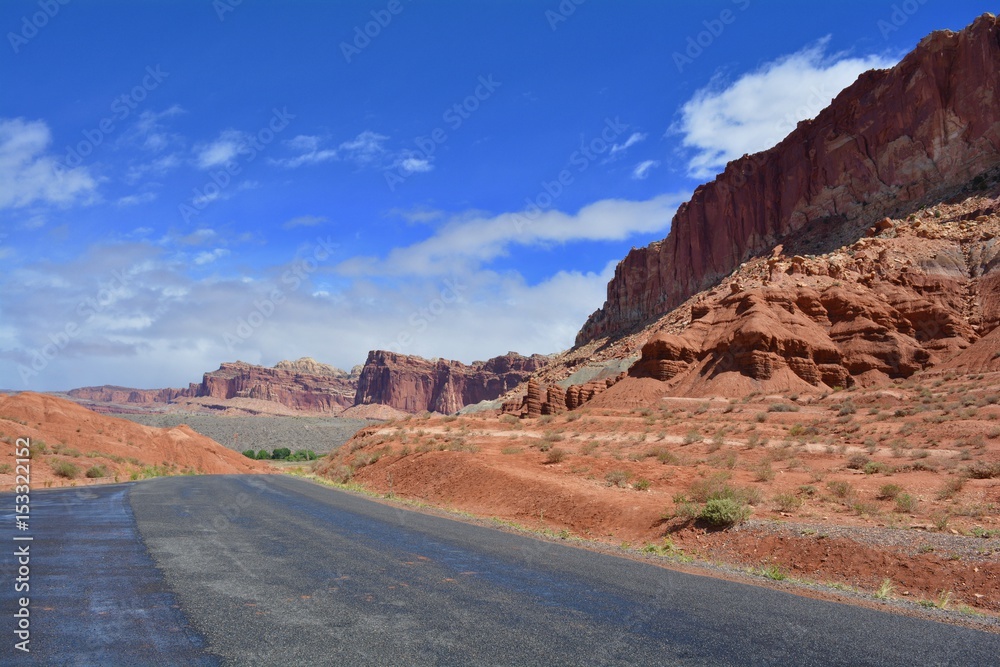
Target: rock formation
[890, 141]
[304, 385]
[303, 391]
[920, 294]
[414, 384]
[113, 394]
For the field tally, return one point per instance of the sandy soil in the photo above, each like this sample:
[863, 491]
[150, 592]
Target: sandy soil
[895, 488]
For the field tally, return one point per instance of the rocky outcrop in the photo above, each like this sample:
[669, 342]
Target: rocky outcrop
[303, 391]
[893, 139]
[414, 384]
[556, 399]
[113, 394]
[313, 367]
[304, 385]
[923, 292]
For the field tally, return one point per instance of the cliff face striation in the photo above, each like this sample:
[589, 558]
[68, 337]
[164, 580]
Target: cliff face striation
[308, 392]
[414, 384]
[892, 140]
[304, 385]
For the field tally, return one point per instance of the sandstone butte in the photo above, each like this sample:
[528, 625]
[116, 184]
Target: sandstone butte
[893, 140]
[303, 385]
[401, 382]
[413, 384]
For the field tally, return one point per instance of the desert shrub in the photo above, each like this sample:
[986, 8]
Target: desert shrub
[6, 468]
[839, 488]
[65, 469]
[905, 503]
[341, 474]
[94, 472]
[889, 491]
[509, 419]
[511, 450]
[983, 470]
[555, 455]
[618, 478]
[782, 407]
[787, 502]
[641, 484]
[763, 472]
[847, 408]
[873, 467]
[862, 507]
[951, 488]
[588, 447]
[692, 437]
[857, 461]
[724, 512]
[761, 417]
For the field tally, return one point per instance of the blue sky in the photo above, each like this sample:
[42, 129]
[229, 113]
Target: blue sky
[187, 183]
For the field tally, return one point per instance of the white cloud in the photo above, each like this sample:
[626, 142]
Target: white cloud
[418, 215]
[481, 239]
[149, 133]
[28, 174]
[304, 221]
[210, 256]
[633, 139]
[412, 165]
[222, 150]
[155, 168]
[722, 122]
[132, 200]
[365, 148]
[642, 169]
[158, 326]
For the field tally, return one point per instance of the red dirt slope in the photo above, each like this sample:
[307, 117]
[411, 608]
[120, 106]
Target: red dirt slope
[67, 436]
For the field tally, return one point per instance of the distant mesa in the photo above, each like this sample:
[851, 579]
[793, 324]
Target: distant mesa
[413, 384]
[400, 383]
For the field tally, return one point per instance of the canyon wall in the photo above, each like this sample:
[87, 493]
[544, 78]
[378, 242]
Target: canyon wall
[886, 143]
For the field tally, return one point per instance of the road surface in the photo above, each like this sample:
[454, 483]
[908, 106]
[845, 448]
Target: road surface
[273, 570]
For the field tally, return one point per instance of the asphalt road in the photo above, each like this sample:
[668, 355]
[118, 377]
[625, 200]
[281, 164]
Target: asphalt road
[273, 570]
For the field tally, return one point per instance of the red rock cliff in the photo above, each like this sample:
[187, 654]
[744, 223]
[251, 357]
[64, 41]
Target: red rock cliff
[891, 139]
[298, 390]
[303, 384]
[414, 384]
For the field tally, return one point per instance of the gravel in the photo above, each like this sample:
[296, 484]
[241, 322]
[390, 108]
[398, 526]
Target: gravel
[320, 434]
